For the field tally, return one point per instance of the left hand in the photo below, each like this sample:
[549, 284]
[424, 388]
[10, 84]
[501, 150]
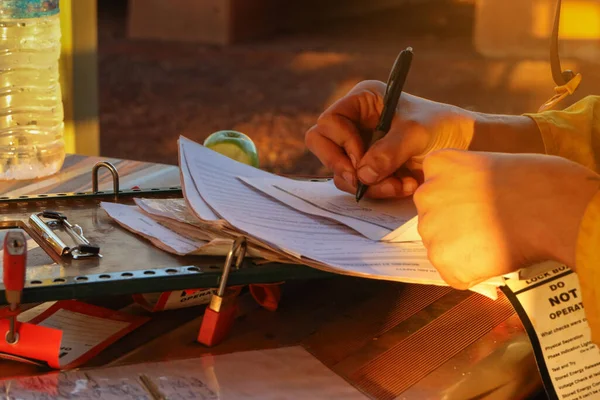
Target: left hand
[487, 214]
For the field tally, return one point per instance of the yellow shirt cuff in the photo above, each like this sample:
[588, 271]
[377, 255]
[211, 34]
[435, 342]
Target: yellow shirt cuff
[571, 133]
[587, 264]
[544, 124]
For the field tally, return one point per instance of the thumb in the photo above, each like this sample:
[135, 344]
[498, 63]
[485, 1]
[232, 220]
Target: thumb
[384, 158]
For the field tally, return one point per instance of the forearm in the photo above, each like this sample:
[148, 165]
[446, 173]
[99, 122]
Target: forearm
[506, 134]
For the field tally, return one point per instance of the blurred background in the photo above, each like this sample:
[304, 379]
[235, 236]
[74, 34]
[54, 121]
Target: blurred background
[268, 68]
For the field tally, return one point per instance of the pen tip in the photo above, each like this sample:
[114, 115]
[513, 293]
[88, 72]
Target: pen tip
[360, 191]
[359, 196]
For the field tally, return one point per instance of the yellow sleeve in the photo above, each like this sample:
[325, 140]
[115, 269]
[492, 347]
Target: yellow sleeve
[587, 265]
[574, 133]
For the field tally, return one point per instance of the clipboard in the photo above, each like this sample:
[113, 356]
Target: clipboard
[125, 263]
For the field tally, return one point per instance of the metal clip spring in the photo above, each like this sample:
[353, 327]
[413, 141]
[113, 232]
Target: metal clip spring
[83, 248]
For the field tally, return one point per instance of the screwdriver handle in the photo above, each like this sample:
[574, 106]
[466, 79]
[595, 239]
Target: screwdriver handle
[14, 262]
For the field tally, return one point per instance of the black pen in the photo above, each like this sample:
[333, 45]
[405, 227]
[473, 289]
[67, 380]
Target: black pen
[393, 91]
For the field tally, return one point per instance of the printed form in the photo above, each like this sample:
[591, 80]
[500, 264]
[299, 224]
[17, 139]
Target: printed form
[384, 220]
[327, 242]
[191, 194]
[67, 333]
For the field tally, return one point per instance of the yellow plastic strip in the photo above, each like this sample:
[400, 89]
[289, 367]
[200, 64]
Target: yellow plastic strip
[561, 93]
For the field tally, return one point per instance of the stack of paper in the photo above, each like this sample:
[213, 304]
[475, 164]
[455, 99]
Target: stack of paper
[311, 223]
[170, 226]
[284, 220]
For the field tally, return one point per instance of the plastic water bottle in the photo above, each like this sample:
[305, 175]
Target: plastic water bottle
[31, 110]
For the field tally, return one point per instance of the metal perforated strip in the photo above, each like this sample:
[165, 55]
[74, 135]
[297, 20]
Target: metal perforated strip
[420, 296]
[403, 365]
[372, 319]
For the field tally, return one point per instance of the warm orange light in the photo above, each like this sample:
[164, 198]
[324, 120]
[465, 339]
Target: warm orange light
[580, 19]
[311, 61]
[531, 75]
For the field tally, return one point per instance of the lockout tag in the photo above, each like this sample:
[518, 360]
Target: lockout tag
[68, 333]
[175, 299]
[552, 311]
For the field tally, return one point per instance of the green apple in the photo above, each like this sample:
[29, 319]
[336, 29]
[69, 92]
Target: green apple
[234, 145]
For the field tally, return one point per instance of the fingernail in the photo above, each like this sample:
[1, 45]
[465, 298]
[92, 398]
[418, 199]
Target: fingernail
[409, 187]
[388, 190]
[353, 160]
[367, 175]
[349, 177]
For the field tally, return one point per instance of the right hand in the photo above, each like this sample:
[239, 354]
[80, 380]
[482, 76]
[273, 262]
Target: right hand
[485, 214]
[419, 127]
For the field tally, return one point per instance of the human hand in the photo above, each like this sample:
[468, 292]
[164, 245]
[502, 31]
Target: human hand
[420, 126]
[483, 215]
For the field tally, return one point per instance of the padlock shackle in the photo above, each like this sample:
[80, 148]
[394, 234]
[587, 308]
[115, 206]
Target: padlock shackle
[237, 251]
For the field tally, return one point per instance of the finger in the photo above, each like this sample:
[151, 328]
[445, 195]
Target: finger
[357, 112]
[388, 188]
[344, 132]
[424, 197]
[409, 185]
[362, 104]
[424, 227]
[408, 180]
[344, 185]
[330, 154]
[385, 157]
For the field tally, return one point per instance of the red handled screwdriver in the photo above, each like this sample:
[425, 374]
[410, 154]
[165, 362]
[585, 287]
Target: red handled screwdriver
[14, 261]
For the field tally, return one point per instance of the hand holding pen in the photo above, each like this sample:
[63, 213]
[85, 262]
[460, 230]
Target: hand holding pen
[390, 103]
[343, 131]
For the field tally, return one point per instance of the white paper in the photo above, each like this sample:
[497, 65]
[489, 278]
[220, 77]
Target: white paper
[191, 194]
[296, 233]
[136, 221]
[385, 213]
[553, 304]
[188, 298]
[268, 186]
[81, 332]
[178, 298]
[385, 220]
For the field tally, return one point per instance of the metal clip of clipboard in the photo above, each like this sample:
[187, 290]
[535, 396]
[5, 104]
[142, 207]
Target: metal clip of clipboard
[82, 248]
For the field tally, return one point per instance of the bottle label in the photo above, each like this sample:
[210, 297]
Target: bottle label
[21, 9]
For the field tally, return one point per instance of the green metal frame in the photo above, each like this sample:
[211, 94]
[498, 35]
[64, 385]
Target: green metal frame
[155, 278]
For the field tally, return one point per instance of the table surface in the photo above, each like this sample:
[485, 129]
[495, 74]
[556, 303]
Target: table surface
[76, 176]
[390, 340]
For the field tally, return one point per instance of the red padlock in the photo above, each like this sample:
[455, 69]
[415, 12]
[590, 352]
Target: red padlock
[267, 295]
[220, 313]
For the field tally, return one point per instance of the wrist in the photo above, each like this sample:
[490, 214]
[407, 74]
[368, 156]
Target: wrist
[505, 134]
[451, 128]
